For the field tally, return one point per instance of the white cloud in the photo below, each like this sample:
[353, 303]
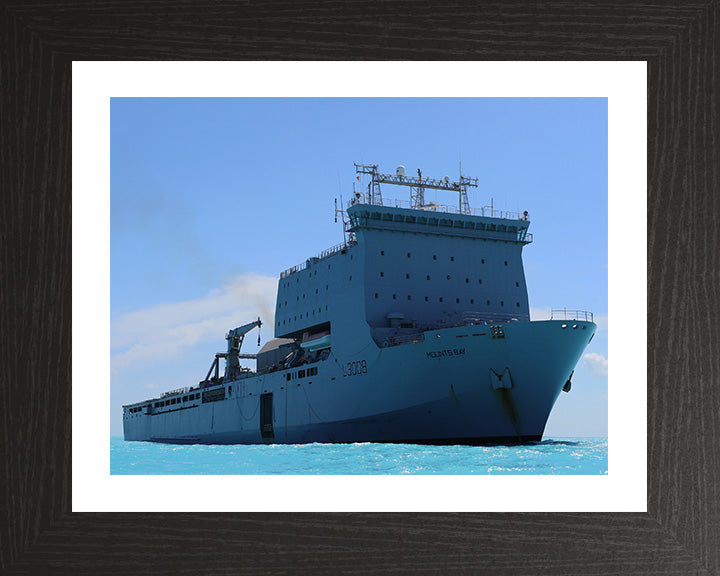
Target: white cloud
[166, 331]
[596, 363]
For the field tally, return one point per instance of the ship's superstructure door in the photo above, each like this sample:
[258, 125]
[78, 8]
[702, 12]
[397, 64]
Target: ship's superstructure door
[266, 417]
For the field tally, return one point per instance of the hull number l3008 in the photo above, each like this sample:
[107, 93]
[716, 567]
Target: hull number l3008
[354, 368]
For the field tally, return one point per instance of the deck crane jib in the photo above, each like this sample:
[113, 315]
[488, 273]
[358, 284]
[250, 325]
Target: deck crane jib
[232, 357]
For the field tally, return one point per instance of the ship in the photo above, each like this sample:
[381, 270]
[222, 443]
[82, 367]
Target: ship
[414, 329]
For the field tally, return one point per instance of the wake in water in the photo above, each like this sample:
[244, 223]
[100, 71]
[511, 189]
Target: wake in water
[552, 456]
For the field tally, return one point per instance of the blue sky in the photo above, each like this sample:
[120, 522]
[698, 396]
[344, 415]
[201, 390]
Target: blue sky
[212, 198]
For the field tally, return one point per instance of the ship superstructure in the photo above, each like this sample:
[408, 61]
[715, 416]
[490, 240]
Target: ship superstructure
[415, 328]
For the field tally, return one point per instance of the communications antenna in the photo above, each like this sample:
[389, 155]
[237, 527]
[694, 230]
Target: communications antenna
[417, 185]
[374, 194]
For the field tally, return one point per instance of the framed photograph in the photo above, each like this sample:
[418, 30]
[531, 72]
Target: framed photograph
[64, 518]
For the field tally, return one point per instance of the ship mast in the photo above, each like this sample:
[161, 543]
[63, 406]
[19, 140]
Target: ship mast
[417, 185]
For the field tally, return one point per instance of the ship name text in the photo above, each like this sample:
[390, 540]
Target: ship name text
[446, 353]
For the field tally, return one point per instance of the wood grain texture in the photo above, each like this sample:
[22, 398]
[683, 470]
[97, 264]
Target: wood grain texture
[681, 532]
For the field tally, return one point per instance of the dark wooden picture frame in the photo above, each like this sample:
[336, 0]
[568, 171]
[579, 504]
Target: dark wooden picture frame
[680, 533]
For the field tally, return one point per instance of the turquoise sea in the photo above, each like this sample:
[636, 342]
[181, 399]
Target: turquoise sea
[551, 456]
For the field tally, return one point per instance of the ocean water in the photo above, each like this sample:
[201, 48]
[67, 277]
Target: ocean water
[551, 456]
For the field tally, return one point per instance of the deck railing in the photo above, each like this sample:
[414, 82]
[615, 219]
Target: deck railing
[565, 314]
[446, 208]
[324, 254]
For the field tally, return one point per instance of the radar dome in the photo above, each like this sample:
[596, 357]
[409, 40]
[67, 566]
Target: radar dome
[400, 171]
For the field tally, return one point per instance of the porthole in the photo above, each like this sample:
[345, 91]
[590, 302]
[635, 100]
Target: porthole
[574, 326]
[563, 326]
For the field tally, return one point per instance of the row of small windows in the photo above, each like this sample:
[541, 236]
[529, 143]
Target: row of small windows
[307, 315]
[452, 258]
[440, 299]
[178, 400]
[301, 374]
[448, 277]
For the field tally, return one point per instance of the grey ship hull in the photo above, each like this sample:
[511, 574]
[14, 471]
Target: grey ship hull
[473, 384]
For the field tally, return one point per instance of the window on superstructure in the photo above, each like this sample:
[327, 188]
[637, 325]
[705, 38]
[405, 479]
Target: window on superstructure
[479, 280]
[517, 304]
[376, 295]
[426, 298]
[407, 275]
[472, 301]
[382, 252]
[229, 390]
[517, 283]
[394, 296]
[409, 297]
[185, 398]
[505, 262]
[488, 302]
[408, 254]
[482, 261]
[457, 300]
[382, 274]
[434, 256]
[350, 277]
[441, 299]
[428, 276]
[467, 280]
[452, 258]
[502, 303]
[288, 376]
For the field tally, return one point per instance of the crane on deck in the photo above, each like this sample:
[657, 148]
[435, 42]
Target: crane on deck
[232, 357]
